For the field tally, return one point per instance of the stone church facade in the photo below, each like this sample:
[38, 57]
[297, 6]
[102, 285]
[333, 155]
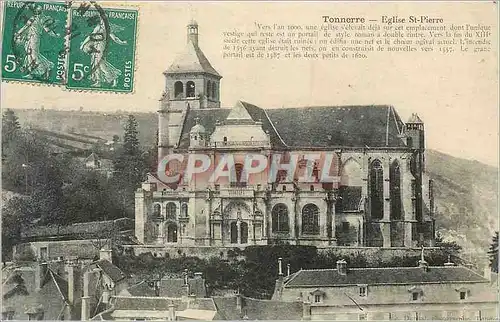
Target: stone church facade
[383, 197]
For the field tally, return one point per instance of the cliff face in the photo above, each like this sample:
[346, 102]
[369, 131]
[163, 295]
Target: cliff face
[466, 195]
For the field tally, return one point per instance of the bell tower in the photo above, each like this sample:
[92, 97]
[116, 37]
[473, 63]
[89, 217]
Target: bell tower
[415, 133]
[191, 79]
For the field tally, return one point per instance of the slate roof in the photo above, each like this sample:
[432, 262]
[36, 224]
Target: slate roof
[174, 287]
[338, 126]
[349, 199]
[255, 309]
[317, 127]
[141, 289]
[111, 270]
[161, 303]
[372, 276]
[192, 60]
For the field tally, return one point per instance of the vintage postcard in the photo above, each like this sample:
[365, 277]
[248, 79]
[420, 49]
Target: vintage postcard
[249, 161]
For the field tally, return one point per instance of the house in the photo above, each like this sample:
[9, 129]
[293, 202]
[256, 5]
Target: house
[83, 240]
[393, 293]
[170, 286]
[42, 291]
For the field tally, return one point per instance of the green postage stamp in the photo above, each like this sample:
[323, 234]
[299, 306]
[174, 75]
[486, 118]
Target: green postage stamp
[102, 49]
[84, 47]
[33, 42]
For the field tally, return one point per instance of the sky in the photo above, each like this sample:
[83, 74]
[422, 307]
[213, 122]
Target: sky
[455, 95]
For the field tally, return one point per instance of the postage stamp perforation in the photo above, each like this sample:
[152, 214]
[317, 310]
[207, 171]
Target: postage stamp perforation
[41, 58]
[102, 58]
[49, 61]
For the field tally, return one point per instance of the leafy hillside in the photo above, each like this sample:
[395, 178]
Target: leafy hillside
[466, 195]
[466, 191]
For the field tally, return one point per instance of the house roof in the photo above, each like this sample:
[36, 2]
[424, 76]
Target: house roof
[393, 275]
[316, 127]
[141, 289]
[111, 270]
[137, 303]
[255, 309]
[175, 287]
[92, 158]
[192, 60]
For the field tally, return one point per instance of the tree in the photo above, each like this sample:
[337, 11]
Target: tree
[129, 164]
[493, 253]
[10, 127]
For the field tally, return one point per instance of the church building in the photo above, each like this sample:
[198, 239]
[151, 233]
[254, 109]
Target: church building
[382, 198]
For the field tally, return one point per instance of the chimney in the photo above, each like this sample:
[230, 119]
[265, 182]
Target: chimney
[186, 282]
[238, 303]
[40, 272]
[449, 262]
[72, 281]
[342, 267]
[306, 310]
[86, 297]
[422, 263]
[106, 254]
[171, 311]
[287, 269]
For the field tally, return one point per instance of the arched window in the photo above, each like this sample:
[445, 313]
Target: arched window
[172, 233]
[156, 210]
[209, 89]
[377, 190]
[190, 89]
[351, 174]
[310, 219]
[280, 219]
[178, 89]
[234, 233]
[243, 233]
[214, 90]
[171, 210]
[395, 190]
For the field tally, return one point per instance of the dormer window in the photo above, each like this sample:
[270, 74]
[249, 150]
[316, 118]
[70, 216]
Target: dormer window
[416, 293]
[318, 295]
[462, 293]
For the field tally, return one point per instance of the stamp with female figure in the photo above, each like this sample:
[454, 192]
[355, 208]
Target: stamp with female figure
[102, 50]
[33, 41]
